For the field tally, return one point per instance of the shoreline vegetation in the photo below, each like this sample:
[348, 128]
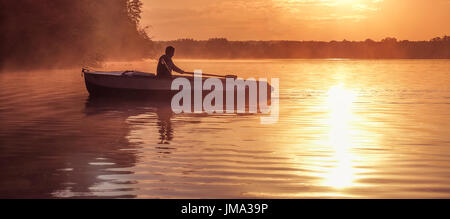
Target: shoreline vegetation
[65, 33]
[388, 48]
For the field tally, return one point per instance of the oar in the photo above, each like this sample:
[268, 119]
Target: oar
[213, 75]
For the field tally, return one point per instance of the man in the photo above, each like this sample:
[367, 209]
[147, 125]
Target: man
[166, 65]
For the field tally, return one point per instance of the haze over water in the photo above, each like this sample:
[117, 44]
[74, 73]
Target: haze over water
[347, 128]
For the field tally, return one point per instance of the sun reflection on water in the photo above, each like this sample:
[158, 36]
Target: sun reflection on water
[339, 103]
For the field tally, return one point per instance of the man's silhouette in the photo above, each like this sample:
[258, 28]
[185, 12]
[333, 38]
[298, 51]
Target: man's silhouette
[166, 65]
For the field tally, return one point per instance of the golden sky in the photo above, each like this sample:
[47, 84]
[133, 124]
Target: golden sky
[297, 19]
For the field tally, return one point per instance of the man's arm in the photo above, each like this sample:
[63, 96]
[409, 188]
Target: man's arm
[174, 67]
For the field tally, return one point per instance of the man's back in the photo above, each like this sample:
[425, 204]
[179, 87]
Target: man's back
[163, 70]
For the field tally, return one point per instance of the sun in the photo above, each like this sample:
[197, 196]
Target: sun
[346, 2]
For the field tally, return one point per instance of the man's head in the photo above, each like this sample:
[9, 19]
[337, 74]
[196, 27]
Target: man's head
[170, 51]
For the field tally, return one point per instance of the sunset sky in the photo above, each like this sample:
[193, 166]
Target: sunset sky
[297, 19]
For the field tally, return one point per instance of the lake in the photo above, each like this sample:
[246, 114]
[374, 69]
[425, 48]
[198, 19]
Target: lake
[346, 129]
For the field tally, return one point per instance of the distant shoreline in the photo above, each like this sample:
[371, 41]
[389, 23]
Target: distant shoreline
[388, 48]
[296, 59]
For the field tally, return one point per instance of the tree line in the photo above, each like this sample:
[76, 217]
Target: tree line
[388, 48]
[63, 33]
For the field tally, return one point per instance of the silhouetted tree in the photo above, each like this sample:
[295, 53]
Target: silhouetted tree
[135, 10]
[391, 40]
[49, 33]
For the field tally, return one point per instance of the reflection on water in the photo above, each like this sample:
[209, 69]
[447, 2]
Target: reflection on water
[346, 129]
[340, 103]
[165, 131]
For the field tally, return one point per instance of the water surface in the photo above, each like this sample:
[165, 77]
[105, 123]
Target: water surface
[347, 128]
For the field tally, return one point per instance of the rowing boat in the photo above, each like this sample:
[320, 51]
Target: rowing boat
[136, 83]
